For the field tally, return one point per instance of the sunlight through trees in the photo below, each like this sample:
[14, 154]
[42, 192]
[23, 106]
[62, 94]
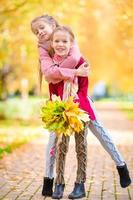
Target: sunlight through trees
[103, 30]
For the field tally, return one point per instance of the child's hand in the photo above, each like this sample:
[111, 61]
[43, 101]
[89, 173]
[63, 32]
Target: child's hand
[83, 70]
[86, 65]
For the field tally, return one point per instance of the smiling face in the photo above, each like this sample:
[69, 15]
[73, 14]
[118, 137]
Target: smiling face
[42, 30]
[61, 43]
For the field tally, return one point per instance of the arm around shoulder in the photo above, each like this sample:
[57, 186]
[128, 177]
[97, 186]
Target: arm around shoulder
[51, 71]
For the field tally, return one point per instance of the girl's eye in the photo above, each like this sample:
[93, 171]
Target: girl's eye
[64, 41]
[56, 41]
[42, 27]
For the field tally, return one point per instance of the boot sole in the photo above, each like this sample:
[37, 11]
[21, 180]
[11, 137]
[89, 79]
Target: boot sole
[47, 194]
[57, 197]
[124, 186]
[83, 195]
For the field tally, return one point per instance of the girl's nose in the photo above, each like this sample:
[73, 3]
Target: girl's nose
[40, 32]
[60, 43]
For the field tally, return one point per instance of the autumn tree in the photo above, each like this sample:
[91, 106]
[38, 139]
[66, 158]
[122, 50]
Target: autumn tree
[103, 30]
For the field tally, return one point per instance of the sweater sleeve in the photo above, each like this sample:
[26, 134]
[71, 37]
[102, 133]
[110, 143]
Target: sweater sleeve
[73, 58]
[52, 72]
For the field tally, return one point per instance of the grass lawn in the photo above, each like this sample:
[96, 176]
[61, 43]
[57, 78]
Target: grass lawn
[124, 105]
[14, 133]
[19, 123]
[127, 108]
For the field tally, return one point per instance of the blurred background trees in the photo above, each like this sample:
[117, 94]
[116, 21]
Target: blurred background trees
[104, 33]
[103, 30]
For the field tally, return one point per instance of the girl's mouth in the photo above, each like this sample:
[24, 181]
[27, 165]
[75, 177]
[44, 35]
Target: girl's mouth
[43, 35]
[60, 49]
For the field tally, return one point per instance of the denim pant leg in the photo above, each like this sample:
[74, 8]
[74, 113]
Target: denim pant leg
[50, 158]
[105, 139]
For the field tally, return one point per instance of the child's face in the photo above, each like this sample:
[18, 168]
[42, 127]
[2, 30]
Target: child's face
[42, 30]
[61, 43]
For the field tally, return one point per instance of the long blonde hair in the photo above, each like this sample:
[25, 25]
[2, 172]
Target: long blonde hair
[46, 18]
[50, 20]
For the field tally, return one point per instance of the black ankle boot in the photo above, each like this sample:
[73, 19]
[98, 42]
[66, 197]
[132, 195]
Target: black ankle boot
[47, 189]
[78, 191]
[124, 176]
[58, 191]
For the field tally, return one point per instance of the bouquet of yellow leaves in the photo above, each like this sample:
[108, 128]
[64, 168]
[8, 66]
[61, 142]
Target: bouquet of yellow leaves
[63, 117]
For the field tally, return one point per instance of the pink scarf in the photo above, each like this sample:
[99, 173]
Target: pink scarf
[70, 88]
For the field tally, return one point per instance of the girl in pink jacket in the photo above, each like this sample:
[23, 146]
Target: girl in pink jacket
[43, 27]
[54, 73]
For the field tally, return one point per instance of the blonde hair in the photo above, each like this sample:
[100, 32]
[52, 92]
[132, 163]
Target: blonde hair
[63, 29]
[50, 20]
[46, 18]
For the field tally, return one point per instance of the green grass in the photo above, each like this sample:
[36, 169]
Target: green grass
[12, 137]
[19, 123]
[17, 108]
[127, 108]
[124, 105]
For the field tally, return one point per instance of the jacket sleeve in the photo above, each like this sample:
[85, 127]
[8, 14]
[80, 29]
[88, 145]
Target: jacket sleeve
[51, 71]
[83, 86]
[73, 58]
[82, 83]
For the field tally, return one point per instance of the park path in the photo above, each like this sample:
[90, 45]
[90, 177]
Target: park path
[21, 172]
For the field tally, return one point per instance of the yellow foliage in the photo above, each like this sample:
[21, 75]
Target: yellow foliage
[104, 36]
[63, 117]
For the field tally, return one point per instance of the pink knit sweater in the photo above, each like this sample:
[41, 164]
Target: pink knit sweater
[54, 74]
[82, 93]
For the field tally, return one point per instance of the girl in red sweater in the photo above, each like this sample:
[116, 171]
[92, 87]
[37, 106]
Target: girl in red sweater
[62, 39]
